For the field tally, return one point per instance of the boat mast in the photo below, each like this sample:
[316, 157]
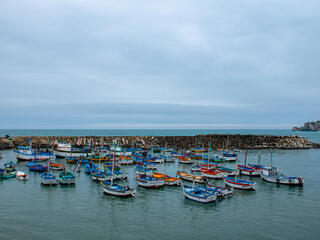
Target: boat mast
[113, 162]
[271, 157]
[245, 158]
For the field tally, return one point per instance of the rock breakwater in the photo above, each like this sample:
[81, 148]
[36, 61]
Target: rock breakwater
[218, 141]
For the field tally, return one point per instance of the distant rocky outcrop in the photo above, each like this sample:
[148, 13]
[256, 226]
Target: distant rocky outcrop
[308, 126]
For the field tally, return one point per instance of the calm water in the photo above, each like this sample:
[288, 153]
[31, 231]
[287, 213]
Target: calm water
[30, 211]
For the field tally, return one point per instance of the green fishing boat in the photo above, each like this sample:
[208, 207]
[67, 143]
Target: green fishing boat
[67, 178]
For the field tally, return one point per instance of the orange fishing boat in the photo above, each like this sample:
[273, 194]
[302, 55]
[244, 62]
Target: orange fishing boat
[57, 166]
[171, 181]
[190, 177]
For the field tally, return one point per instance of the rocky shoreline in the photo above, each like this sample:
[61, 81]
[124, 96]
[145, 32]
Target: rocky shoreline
[308, 126]
[218, 141]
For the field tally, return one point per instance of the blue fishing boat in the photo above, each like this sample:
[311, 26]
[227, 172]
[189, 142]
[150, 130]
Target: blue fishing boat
[48, 178]
[67, 178]
[10, 166]
[36, 167]
[109, 187]
[89, 167]
[200, 194]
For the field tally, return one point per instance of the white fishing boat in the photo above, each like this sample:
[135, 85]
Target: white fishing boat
[64, 150]
[272, 174]
[27, 154]
[222, 191]
[21, 175]
[147, 181]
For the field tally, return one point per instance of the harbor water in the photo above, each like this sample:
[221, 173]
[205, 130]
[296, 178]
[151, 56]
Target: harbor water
[83, 211]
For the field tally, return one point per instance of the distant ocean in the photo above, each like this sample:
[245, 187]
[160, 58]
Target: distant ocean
[313, 136]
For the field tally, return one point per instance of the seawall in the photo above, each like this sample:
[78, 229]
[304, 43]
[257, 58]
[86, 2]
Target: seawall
[218, 141]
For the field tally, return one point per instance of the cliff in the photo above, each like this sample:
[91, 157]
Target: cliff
[308, 126]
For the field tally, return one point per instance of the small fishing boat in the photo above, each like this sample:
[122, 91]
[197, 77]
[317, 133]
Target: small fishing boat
[210, 173]
[125, 160]
[147, 181]
[21, 175]
[57, 166]
[222, 191]
[89, 167]
[199, 194]
[109, 187]
[4, 174]
[143, 170]
[195, 167]
[256, 166]
[249, 171]
[272, 174]
[170, 181]
[155, 160]
[239, 184]
[10, 166]
[117, 190]
[229, 171]
[66, 178]
[185, 160]
[49, 179]
[64, 150]
[36, 167]
[229, 156]
[190, 177]
[198, 150]
[98, 176]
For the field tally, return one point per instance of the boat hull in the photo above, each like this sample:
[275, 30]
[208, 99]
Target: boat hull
[284, 181]
[126, 193]
[239, 185]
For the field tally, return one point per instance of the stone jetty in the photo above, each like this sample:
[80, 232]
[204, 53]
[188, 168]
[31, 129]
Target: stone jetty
[218, 141]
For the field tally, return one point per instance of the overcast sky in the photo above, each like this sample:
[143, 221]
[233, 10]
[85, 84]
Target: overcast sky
[159, 64]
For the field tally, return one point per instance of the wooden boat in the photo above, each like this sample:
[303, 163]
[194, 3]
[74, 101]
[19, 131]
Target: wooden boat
[198, 150]
[199, 195]
[147, 181]
[222, 191]
[66, 178]
[185, 160]
[271, 174]
[143, 170]
[109, 187]
[36, 167]
[256, 166]
[49, 179]
[125, 160]
[239, 184]
[4, 174]
[229, 156]
[210, 173]
[117, 190]
[195, 167]
[229, 171]
[21, 175]
[98, 175]
[89, 167]
[249, 171]
[64, 150]
[190, 177]
[170, 181]
[10, 166]
[57, 166]
[155, 160]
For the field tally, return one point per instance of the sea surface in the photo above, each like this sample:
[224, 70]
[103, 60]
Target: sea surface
[31, 211]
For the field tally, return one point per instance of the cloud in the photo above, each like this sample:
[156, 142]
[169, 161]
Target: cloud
[239, 60]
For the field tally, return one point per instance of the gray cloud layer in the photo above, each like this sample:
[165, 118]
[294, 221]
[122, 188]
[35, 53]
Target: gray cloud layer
[158, 63]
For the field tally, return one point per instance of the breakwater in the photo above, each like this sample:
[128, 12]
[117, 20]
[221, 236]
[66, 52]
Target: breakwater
[218, 141]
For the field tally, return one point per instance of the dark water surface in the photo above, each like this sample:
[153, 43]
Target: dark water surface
[31, 211]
